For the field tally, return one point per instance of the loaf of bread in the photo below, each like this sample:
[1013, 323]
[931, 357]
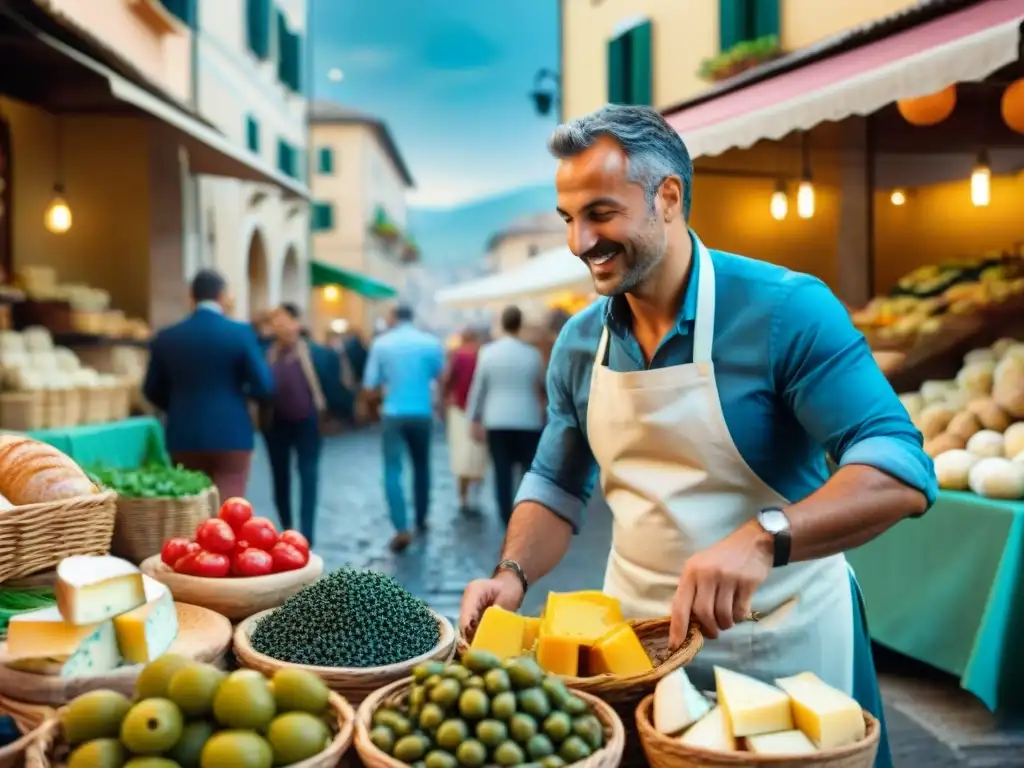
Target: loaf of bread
[32, 472]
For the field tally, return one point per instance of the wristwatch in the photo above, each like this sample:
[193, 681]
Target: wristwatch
[516, 568]
[774, 521]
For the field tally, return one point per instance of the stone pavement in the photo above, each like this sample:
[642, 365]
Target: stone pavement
[932, 723]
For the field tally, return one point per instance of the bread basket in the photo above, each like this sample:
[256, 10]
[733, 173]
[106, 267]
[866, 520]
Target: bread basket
[355, 684]
[609, 756]
[667, 752]
[144, 524]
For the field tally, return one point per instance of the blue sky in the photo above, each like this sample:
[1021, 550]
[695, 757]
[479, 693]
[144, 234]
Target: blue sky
[451, 78]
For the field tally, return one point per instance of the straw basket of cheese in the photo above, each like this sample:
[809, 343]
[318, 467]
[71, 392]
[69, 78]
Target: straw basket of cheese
[486, 712]
[798, 723]
[109, 621]
[49, 508]
[357, 630]
[184, 713]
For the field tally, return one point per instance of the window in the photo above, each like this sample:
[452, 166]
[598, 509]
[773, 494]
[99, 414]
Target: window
[287, 159]
[740, 20]
[325, 161]
[289, 55]
[629, 66]
[183, 9]
[252, 134]
[257, 27]
[323, 217]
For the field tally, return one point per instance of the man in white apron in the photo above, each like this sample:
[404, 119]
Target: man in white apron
[707, 389]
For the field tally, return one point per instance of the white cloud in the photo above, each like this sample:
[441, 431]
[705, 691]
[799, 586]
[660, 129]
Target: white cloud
[369, 58]
[444, 190]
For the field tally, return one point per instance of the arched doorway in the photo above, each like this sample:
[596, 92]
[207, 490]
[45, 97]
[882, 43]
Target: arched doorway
[259, 285]
[291, 278]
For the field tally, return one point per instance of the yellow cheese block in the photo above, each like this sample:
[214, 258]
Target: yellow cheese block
[619, 652]
[501, 632]
[149, 630]
[597, 597]
[781, 743]
[753, 707]
[711, 732]
[566, 615]
[558, 655]
[531, 631]
[45, 633]
[828, 717]
[93, 588]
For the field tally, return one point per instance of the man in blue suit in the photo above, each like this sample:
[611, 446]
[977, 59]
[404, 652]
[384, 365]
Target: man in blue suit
[202, 372]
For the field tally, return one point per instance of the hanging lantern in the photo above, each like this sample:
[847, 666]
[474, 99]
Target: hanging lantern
[1012, 106]
[929, 110]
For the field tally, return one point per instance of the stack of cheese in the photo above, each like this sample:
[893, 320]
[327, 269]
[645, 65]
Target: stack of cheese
[801, 716]
[579, 634]
[107, 614]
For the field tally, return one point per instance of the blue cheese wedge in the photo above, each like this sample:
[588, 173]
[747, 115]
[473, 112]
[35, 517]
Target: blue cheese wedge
[41, 641]
[149, 630]
[677, 703]
[91, 589]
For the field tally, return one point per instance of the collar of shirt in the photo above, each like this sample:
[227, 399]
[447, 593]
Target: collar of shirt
[619, 319]
[211, 306]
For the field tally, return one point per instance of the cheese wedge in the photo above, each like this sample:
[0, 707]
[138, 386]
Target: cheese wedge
[91, 589]
[41, 640]
[558, 655]
[531, 631]
[501, 632]
[781, 743]
[753, 707]
[677, 703]
[149, 630]
[711, 732]
[828, 717]
[579, 618]
[619, 652]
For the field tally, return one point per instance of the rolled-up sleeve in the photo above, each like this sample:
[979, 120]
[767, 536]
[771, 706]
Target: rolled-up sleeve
[563, 472]
[825, 372]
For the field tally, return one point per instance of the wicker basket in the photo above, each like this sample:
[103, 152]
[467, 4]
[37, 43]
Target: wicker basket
[121, 400]
[49, 751]
[22, 411]
[352, 683]
[33, 721]
[96, 404]
[35, 537]
[62, 408]
[608, 756]
[144, 524]
[666, 752]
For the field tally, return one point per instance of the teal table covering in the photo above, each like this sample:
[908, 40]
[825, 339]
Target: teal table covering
[127, 444]
[948, 589]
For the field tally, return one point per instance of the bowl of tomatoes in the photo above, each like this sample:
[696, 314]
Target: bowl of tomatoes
[236, 563]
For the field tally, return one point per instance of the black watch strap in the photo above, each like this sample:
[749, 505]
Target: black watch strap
[782, 544]
[517, 569]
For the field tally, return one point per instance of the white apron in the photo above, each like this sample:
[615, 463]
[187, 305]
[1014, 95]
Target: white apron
[676, 484]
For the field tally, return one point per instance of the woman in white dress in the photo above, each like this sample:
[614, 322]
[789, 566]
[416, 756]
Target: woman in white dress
[468, 458]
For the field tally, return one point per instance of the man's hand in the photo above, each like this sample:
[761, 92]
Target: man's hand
[477, 432]
[504, 590]
[718, 584]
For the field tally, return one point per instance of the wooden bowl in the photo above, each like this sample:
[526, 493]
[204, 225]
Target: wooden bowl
[354, 683]
[667, 752]
[608, 756]
[234, 597]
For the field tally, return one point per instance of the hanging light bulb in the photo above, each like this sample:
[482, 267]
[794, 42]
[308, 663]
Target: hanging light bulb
[780, 203]
[898, 197]
[981, 181]
[805, 199]
[331, 293]
[58, 213]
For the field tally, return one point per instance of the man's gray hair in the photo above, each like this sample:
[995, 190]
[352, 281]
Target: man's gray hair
[654, 151]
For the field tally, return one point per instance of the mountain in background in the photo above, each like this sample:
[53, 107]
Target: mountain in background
[456, 237]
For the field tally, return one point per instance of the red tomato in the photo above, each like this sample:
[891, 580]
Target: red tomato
[235, 511]
[186, 563]
[215, 535]
[174, 549]
[253, 562]
[259, 532]
[287, 557]
[210, 565]
[296, 539]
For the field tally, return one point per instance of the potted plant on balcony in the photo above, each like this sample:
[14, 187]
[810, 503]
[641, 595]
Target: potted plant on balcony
[741, 57]
[384, 228]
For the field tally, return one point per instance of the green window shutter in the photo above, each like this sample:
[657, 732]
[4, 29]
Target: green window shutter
[289, 55]
[640, 70]
[734, 23]
[257, 24]
[296, 74]
[286, 158]
[766, 18]
[252, 134]
[323, 217]
[617, 70]
[325, 161]
[183, 9]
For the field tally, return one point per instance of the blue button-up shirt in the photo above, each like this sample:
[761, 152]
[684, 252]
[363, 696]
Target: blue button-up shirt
[794, 377]
[405, 362]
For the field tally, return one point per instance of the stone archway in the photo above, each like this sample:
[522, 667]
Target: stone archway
[291, 278]
[259, 283]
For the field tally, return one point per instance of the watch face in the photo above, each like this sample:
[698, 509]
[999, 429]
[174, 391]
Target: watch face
[773, 520]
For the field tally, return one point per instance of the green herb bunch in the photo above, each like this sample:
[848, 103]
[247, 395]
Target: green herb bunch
[153, 481]
[349, 618]
[14, 601]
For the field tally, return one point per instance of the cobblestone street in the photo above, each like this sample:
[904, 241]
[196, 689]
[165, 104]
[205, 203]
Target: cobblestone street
[932, 722]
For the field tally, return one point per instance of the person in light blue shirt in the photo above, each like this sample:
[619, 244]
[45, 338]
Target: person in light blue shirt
[404, 363]
[708, 389]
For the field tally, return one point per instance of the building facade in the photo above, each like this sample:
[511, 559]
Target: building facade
[359, 182]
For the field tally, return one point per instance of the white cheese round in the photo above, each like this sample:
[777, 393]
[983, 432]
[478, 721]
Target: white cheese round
[997, 478]
[986, 444]
[952, 469]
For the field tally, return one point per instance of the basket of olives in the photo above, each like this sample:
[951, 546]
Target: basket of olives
[483, 712]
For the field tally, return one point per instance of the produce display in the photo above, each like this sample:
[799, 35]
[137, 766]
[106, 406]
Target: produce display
[580, 634]
[235, 543]
[484, 711]
[151, 482]
[350, 619]
[798, 715]
[190, 715]
[973, 425]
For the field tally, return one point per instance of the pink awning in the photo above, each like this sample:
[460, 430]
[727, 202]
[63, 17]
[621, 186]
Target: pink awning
[963, 46]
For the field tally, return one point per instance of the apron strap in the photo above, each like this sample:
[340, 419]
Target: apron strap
[601, 358]
[704, 326]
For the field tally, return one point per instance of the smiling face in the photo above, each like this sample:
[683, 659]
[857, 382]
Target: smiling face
[611, 227]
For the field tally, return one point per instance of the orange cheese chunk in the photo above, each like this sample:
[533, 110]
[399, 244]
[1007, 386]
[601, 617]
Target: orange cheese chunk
[568, 616]
[613, 606]
[558, 655]
[619, 652]
[531, 632]
[501, 632]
